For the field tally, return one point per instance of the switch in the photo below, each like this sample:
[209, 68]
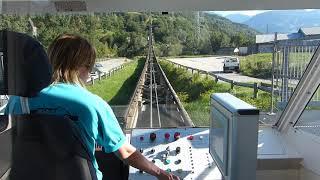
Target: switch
[167, 136]
[179, 170]
[153, 136]
[168, 148]
[141, 150]
[152, 151]
[164, 156]
[140, 171]
[141, 138]
[166, 153]
[177, 136]
[178, 161]
[190, 138]
[178, 150]
[154, 161]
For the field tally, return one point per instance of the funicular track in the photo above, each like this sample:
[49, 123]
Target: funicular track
[154, 103]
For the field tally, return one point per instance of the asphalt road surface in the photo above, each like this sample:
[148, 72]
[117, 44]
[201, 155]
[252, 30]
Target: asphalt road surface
[215, 65]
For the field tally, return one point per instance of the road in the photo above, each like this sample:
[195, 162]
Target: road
[215, 65]
[108, 64]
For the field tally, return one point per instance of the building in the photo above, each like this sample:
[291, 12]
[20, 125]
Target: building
[264, 42]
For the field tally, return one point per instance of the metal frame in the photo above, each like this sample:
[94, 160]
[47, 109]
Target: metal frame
[303, 93]
[49, 6]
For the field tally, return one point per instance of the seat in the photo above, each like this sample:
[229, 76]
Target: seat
[42, 146]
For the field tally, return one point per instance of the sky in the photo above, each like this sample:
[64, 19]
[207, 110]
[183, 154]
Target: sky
[249, 13]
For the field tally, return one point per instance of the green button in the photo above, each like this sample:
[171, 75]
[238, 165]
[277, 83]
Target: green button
[167, 161]
[168, 170]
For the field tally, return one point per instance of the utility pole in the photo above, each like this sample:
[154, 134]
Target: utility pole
[198, 29]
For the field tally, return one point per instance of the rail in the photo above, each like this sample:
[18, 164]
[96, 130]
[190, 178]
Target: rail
[154, 102]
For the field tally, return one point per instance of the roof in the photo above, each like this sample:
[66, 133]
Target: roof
[310, 31]
[267, 38]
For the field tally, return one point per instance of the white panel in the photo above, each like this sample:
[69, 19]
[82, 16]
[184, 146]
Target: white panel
[196, 162]
[270, 142]
[308, 146]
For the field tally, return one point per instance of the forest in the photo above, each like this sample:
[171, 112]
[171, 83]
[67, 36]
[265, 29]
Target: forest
[125, 34]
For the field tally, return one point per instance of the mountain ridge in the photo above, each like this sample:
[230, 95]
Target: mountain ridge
[283, 21]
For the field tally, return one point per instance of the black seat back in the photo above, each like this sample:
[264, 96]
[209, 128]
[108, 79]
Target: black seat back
[49, 147]
[45, 147]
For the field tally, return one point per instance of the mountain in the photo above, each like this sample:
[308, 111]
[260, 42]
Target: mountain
[229, 27]
[284, 21]
[238, 18]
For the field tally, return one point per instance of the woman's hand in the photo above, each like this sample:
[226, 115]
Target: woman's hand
[167, 176]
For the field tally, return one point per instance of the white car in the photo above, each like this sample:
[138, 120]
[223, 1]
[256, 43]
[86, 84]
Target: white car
[231, 64]
[97, 68]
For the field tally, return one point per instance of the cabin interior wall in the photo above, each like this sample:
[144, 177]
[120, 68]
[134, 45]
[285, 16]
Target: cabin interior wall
[291, 174]
[306, 174]
[308, 146]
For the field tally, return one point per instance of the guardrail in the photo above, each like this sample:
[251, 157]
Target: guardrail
[256, 86]
[104, 75]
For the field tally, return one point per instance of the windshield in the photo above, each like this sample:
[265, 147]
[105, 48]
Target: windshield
[201, 41]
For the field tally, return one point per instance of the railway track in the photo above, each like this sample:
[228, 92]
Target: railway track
[154, 103]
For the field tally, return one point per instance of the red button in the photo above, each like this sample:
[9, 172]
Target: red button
[177, 136]
[190, 138]
[167, 135]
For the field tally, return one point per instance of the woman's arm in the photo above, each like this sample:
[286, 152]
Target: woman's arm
[131, 156]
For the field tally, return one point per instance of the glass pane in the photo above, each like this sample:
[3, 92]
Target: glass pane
[309, 120]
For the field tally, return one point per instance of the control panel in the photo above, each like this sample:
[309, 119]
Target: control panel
[181, 151]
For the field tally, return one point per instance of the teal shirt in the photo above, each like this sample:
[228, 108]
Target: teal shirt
[92, 111]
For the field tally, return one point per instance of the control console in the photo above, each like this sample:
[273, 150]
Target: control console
[182, 151]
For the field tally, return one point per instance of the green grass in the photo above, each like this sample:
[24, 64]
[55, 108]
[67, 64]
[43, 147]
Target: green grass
[195, 91]
[257, 65]
[260, 65]
[118, 89]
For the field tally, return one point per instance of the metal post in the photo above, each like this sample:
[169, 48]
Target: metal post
[285, 73]
[255, 90]
[92, 80]
[275, 50]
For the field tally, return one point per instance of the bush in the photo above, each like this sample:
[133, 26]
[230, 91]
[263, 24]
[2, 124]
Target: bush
[257, 65]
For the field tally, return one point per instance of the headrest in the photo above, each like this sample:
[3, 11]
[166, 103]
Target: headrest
[26, 65]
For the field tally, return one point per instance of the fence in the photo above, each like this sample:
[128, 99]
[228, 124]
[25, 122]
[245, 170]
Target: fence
[255, 86]
[104, 75]
[290, 63]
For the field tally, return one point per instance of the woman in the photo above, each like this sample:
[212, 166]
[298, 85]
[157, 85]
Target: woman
[72, 57]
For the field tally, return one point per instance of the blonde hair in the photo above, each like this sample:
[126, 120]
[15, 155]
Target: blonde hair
[67, 53]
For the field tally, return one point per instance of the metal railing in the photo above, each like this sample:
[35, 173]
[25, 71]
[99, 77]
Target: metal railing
[100, 75]
[255, 86]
